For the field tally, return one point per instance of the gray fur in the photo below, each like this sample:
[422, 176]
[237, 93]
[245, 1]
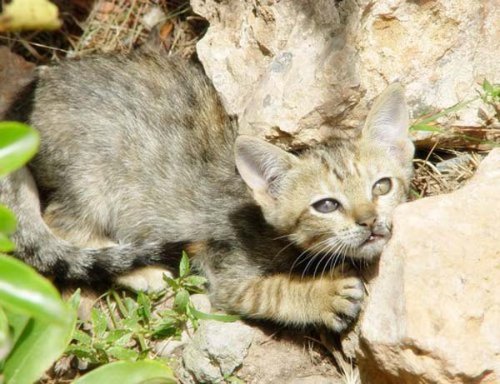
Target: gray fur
[137, 151]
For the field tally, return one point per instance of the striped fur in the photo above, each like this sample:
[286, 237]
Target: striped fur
[138, 162]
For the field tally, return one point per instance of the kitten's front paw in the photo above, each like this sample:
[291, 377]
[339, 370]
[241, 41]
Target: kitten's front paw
[345, 296]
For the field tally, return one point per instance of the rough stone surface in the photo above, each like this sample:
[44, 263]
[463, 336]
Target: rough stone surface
[434, 309]
[291, 70]
[216, 350]
[286, 356]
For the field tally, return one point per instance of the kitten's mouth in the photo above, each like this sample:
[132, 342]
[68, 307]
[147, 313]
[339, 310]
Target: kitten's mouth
[374, 238]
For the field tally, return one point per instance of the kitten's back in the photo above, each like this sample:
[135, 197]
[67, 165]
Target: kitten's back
[126, 138]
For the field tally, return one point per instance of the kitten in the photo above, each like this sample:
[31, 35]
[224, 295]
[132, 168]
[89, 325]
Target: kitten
[139, 161]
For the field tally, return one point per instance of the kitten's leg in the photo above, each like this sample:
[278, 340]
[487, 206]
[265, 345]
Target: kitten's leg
[334, 302]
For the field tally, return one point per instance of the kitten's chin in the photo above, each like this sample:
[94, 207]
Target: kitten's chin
[371, 248]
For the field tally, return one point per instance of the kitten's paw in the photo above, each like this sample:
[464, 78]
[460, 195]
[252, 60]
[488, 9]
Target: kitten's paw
[344, 304]
[147, 279]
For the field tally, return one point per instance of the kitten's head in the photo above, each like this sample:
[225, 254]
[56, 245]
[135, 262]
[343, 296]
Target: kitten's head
[337, 197]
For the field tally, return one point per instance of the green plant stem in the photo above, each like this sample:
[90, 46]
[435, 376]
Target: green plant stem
[119, 302]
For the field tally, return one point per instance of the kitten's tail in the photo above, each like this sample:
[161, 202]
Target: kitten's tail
[37, 245]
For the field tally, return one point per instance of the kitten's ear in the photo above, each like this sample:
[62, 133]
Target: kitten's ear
[388, 122]
[261, 165]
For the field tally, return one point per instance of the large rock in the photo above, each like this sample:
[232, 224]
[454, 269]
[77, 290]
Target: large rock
[433, 314]
[290, 70]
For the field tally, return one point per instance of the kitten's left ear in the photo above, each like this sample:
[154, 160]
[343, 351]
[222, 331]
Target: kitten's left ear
[261, 165]
[387, 124]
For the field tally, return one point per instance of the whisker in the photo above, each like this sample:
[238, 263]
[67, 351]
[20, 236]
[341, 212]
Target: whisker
[304, 254]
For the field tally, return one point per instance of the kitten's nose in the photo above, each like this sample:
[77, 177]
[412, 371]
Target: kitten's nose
[365, 216]
[366, 221]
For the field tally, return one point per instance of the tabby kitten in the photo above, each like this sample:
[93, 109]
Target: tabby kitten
[139, 160]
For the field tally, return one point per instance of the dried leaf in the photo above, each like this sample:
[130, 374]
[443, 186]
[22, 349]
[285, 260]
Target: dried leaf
[28, 15]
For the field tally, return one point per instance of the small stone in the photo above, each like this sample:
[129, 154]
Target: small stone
[216, 350]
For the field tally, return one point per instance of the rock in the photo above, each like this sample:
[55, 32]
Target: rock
[315, 379]
[215, 351]
[291, 70]
[284, 356]
[15, 74]
[433, 312]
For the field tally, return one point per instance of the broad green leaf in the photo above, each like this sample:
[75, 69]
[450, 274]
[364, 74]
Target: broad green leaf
[18, 143]
[29, 15]
[124, 372]
[7, 221]
[40, 344]
[184, 265]
[213, 316]
[181, 300]
[24, 291]
[5, 341]
[5, 244]
[17, 323]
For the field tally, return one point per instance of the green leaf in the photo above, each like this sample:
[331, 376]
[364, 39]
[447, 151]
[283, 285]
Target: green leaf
[122, 353]
[144, 306]
[181, 300]
[40, 344]
[5, 341]
[7, 221]
[487, 87]
[195, 281]
[17, 323]
[5, 244]
[213, 316]
[425, 128]
[119, 337]
[173, 283]
[24, 291]
[82, 337]
[82, 352]
[130, 305]
[99, 322]
[125, 372]
[444, 112]
[18, 143]
[184, 265]
[169, 326]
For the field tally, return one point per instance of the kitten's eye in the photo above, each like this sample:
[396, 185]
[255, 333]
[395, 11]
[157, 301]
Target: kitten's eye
[382, 187]
[326, 205]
